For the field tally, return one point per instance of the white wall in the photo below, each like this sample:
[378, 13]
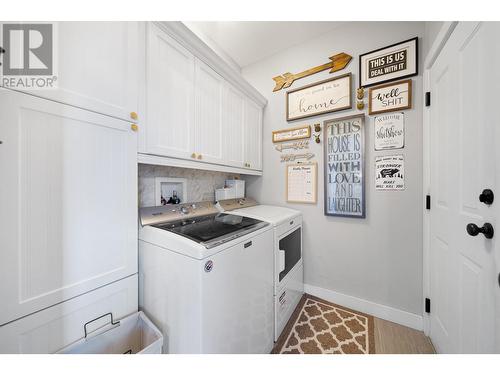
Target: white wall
[378, 258]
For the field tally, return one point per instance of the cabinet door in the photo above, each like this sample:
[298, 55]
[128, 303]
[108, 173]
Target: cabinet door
[68, 222]
[52, 329]
[97, 66]
[170, 96]
[209, 88]
[253, 135]
[233, 131]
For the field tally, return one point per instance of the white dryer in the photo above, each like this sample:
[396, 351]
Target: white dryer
[288, 267]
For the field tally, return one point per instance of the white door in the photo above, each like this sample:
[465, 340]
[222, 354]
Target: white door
[170, 96]
[233, 128]
[253, 135]
[464, 160]
[209, 88]
[68, 194]
[97, 66]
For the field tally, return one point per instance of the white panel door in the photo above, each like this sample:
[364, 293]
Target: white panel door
[464, 123]
[52, 329]
[253, 135]
[209, 89]
[237, 298]
[233, 127]
[68, 221]
[98, 65]
[170, 96]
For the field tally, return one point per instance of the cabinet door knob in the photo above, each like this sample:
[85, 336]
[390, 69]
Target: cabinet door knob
[134, 127]
[199, 157]
[193, 155]
[133, 115]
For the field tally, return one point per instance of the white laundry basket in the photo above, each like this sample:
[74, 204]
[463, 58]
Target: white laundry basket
[135, 334]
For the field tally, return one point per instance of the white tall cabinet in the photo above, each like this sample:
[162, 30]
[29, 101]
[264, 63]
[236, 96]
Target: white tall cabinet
[195, 110]
[68, 222]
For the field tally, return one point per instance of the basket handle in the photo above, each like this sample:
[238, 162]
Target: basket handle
[113, 323]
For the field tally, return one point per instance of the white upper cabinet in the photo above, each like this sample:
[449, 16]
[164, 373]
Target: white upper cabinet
[209, 90]
[68, 222]
[169, 98]
[195, 113]
[97, 66]
[233, 131]
[253, 135]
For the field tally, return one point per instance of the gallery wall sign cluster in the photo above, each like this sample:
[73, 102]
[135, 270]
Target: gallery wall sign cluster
[385, 72]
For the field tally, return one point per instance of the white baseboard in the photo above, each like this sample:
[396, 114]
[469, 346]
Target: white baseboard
[380, 311]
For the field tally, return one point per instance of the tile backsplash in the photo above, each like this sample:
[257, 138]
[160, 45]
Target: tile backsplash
[201, 185]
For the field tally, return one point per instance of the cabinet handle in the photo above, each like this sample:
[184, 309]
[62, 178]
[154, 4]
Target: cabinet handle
[133, 115]
[199, 157]
[193, 155]
[134, 127]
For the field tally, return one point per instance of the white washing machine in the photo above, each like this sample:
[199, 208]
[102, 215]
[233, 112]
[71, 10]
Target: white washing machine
[206, 279]
[288, 266]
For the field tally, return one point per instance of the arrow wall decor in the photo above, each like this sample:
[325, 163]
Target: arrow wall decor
[293, 157]
[338, 62]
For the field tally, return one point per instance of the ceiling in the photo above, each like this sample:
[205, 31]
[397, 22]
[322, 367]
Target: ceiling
[247, 42]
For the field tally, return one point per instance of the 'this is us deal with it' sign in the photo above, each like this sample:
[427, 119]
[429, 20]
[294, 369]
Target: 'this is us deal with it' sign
[344, 167]
[390, 63]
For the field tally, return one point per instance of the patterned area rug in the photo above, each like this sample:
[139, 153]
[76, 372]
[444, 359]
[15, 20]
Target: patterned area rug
[321, 327]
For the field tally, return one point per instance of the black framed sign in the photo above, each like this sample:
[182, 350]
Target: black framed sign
[344, 149]
[387, 64]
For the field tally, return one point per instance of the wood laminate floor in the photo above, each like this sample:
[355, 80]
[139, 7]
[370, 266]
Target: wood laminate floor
[392, 338]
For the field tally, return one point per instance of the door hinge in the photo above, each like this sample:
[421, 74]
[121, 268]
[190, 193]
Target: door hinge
[428, 202]
[428, 305]
[428, 99]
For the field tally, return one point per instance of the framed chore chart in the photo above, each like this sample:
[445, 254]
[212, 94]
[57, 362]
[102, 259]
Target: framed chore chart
[301, 183]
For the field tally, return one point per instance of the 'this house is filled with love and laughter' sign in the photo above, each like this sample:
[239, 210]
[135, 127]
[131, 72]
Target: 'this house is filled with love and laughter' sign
[344, 167]
[322, 97]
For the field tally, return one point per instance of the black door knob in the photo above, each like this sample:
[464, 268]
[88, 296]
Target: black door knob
[486, 196]
[474, 230]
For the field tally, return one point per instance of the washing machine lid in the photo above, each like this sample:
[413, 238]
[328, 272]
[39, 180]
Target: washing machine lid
[272, 214]
[212, 230]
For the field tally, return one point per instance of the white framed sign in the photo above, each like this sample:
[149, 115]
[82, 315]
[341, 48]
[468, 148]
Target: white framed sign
[390, 172]
[318, 98]
[344, 141]
[390, 97]
[389, 131]
[301, 183]
[389, 63]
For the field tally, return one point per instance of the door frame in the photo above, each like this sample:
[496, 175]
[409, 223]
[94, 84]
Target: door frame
[436, 48]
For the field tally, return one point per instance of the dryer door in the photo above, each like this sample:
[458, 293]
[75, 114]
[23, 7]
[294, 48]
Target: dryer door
[289, 252]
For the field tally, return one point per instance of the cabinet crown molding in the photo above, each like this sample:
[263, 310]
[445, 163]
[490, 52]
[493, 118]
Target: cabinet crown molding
[189, 40]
